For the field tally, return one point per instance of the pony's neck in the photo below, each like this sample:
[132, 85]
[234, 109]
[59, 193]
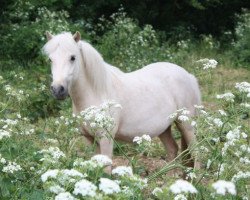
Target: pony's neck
[93, 80]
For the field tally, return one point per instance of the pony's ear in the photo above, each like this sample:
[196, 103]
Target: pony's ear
[48, 35]
[77, 36]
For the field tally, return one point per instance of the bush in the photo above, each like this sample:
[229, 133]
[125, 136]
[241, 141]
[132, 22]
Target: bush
[127, 45]
[242, 43]
[24, 34]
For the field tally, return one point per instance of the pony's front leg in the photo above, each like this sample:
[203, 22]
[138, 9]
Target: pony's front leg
[106, 148]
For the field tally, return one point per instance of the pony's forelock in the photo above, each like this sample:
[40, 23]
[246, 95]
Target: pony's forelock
[63, 40]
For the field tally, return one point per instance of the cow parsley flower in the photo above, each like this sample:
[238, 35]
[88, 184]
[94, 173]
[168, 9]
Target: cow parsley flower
[144, 139]
[183, 118]
[240, 175]
[217, 122]
[157, 191]
[243, 87]
[245, 105]
[11, 168]
[52, 154]
[102, 160]
[226, 96]
[56, 189]
[122, 171]
[222, 112]
[64, 196]
[85, 188]
[108, 186]
[182, 186]
[208, 63]
[222, 187]
[99, 118]
[69, 176]
[52, 173]
[4, 133]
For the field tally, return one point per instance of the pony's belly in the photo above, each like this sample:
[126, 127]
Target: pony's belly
[150, 127]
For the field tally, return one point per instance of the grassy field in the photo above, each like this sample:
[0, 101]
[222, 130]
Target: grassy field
[36, 139]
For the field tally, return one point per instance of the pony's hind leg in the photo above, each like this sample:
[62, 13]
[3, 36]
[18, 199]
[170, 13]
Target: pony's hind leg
[169, 144]
[187, 140]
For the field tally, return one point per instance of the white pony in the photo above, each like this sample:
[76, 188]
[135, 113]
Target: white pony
[147, 96]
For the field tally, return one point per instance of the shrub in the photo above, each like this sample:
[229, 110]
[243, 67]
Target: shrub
[23, 34]
[242, 43]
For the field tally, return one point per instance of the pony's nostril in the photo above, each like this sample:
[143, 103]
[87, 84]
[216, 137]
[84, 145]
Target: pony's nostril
[61, 90]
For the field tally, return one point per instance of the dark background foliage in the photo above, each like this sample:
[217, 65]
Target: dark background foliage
[23, 23]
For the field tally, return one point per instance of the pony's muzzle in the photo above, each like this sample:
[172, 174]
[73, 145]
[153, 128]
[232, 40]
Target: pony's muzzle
[59, 91]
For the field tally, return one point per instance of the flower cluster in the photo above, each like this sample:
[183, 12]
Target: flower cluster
[180, 115]
[11, 167]
[99, 118]
[182, 186]
[51, 155]
[145, 139]
[208, 63]
[122, 171]
[221, 187]
[226, 96]
[243, 87]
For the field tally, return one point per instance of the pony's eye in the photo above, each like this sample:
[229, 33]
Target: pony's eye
[72, 58]
[50, 60]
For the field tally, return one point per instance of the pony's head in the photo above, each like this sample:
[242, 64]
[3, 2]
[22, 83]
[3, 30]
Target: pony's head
[65, 58]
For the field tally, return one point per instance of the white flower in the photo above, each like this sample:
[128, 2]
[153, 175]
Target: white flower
[99, 117]
[193, 123]
[52, 173]
[4, 133]
[64, 196]
[246, 105]
[123, 171]
[217, 122]
[56, 189]
[245, 160]
[183, 118]
[69, 176]
[3, 161]
[180, 197]
[108, 186]
[146, 138]
[182, 186]
[241, 175]
[208, 63]
[54, 152]
[156, 191]
[85, 188]
[89, 164]
[243, 87]
[102, 160]
[222, 187]
[11, 168]
[172, 116]
[227, 97]
[222, 112]
[137, 140]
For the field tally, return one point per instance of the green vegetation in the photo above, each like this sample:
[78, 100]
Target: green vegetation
[38, 133]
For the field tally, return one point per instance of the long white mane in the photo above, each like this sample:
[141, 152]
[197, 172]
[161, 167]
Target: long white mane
[96, 69]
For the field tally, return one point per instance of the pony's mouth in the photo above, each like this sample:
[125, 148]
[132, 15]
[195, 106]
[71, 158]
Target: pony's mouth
[60, 97]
